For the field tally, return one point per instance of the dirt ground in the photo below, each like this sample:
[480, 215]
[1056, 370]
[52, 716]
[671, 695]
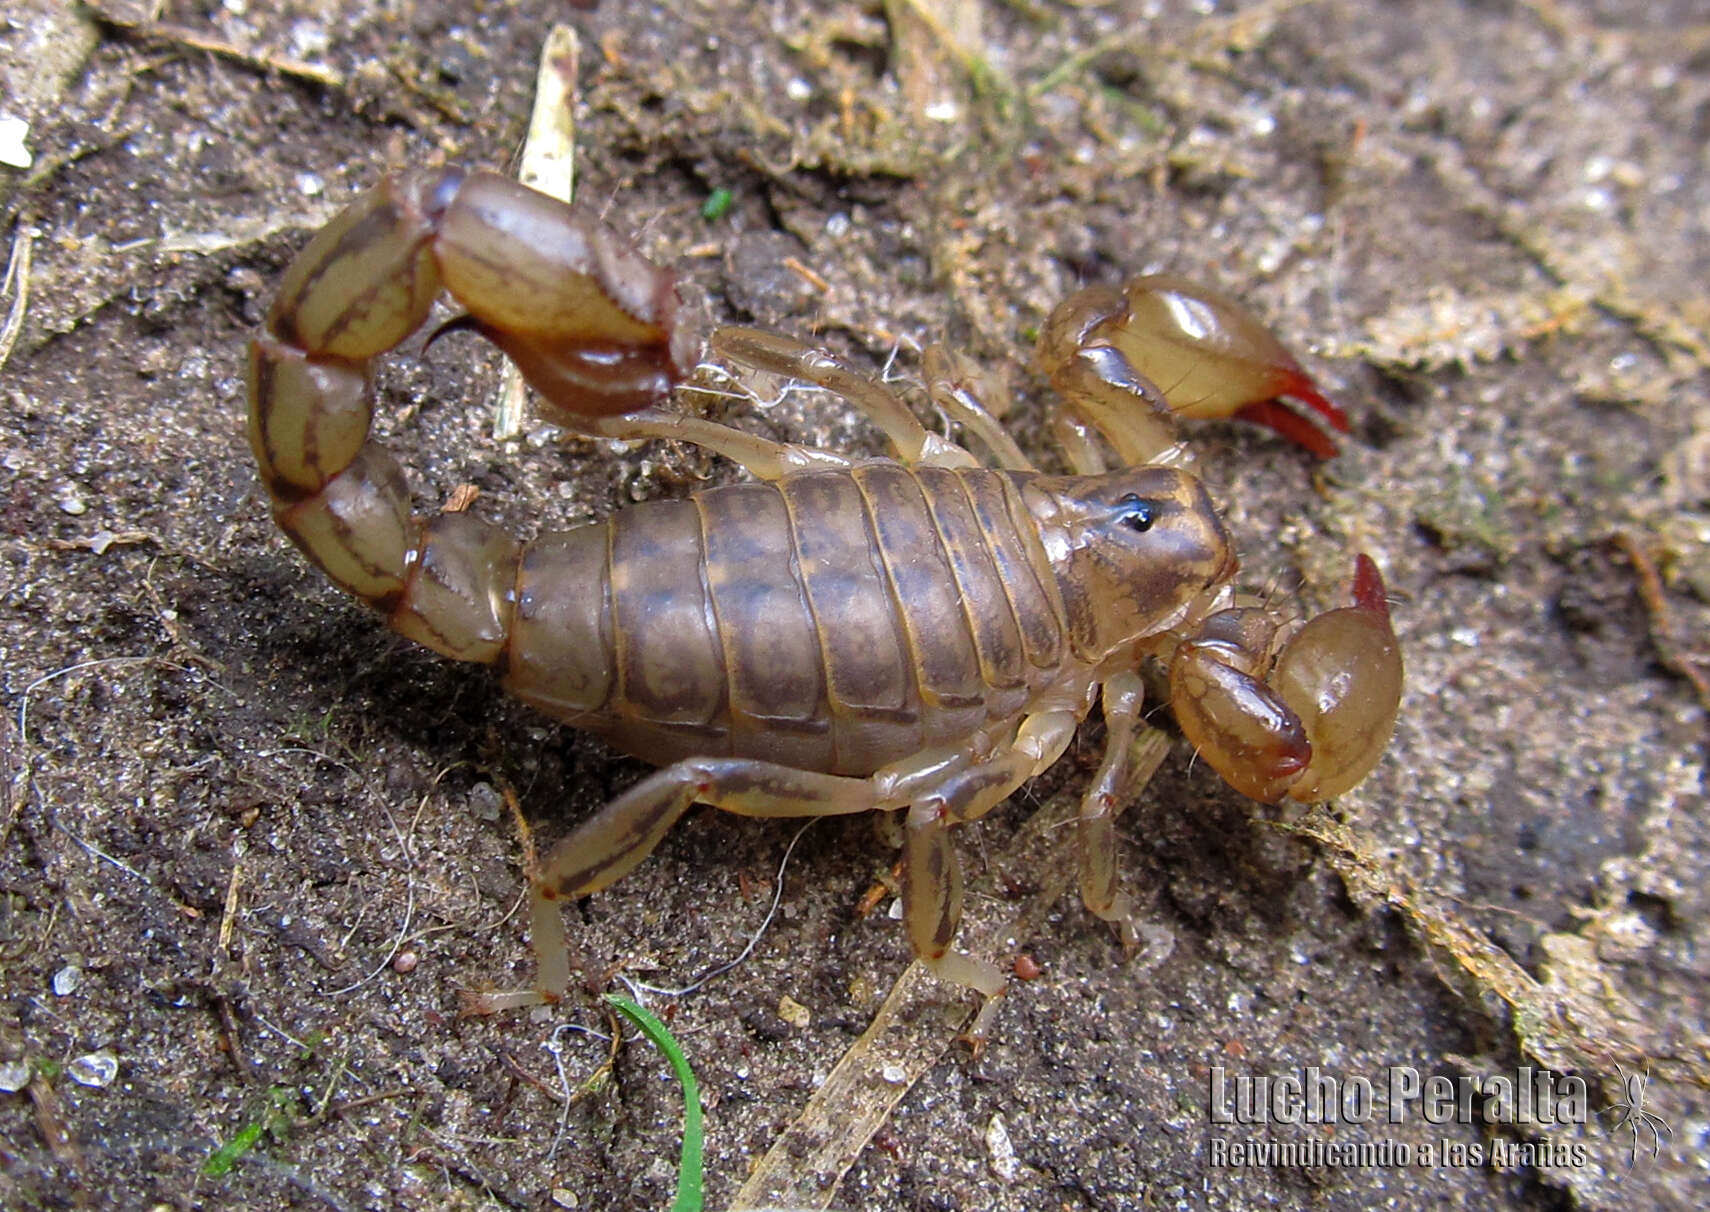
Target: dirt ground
[252, 845]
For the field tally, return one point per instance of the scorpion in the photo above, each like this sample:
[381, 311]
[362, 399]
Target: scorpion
[918, 634]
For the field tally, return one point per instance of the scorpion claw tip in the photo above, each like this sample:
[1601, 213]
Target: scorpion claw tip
[1291, 425]
[1299, 386]
[1370, 592]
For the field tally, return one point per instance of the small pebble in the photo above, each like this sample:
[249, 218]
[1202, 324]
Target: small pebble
[14, 152]
[66, 980]
[485, 801]
[1000, 1151]
[14, 1076]
[405, 962]
[94, 1069]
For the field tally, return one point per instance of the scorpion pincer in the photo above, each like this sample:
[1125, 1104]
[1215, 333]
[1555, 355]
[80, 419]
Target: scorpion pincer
[918, 634]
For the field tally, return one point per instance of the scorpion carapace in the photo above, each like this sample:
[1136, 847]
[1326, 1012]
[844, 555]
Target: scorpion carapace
[918, 634]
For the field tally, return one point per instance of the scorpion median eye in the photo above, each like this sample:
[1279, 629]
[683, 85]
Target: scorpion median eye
[1137, 514]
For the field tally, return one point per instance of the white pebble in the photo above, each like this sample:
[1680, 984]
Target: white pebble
[1000, 1151]
[14, 1076]
[13, 153]
[94, 1069]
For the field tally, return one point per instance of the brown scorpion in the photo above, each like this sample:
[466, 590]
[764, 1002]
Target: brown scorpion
[918, 634]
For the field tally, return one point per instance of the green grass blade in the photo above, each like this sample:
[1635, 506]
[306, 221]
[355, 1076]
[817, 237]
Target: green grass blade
[221, 1160]
[274, 1118]
[689, 1165]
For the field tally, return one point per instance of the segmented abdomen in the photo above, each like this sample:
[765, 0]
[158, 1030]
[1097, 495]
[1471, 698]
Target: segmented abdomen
[833, 621]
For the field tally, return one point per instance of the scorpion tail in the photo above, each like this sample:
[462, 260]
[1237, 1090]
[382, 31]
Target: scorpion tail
[588, 318]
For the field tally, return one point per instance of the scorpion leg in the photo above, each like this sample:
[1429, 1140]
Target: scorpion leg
[609, 845]
[942, 788]
[763, 458]
[1075, 438]
[768, 460]
[932, 875]
[785, 356]
[932, 906]
[1112, 787]
[950, 379]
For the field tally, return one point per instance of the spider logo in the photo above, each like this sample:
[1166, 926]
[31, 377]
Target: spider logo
[1631, 1117]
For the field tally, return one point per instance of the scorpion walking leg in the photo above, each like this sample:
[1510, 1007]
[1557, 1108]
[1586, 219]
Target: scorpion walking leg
[950, 379]
[623, 833]
[786, 356]
[932, 876]
[1078, 442]
[1112, 787]
[942, 789]
[763, 458]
